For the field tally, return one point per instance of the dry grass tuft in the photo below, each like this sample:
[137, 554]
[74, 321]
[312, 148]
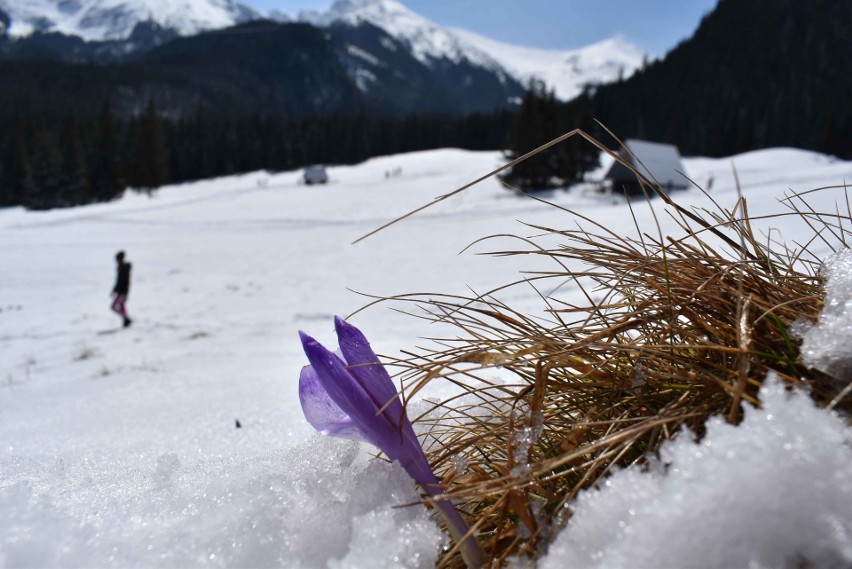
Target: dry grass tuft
[675, 329]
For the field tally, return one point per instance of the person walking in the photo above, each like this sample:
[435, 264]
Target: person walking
[121, 288]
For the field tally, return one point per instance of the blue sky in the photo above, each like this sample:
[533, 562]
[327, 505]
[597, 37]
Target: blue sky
[655, 25]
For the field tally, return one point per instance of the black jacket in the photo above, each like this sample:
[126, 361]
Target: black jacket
[122, 281]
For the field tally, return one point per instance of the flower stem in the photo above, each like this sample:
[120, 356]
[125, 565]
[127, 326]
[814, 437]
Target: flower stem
[472, 554]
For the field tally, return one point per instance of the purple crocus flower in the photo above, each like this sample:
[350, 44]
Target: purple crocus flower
[353, 397]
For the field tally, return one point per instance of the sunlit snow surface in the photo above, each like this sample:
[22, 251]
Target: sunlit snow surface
[828, 344]
[119, 447]
[774, 491]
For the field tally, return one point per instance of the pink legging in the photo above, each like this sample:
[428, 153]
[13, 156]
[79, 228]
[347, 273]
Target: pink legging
[118, 305]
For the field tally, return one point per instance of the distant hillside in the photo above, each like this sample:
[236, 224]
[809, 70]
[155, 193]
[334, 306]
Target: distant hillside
[293, 70]
[757, 73]
[188, 75]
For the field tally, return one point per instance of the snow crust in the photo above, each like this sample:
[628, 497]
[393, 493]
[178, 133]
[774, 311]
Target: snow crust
[317, 504]
[116, 440]
[827, 345]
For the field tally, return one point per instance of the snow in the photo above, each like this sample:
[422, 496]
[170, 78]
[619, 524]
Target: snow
[659, 162]
[567, 72]
[118, 447]
[426, 39]
[317, 503]
[772, 492]
[825, 345]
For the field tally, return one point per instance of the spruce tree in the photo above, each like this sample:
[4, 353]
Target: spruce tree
[106, 178]
[149, 168]
[45, 189]
[75, 169]
[22, 169]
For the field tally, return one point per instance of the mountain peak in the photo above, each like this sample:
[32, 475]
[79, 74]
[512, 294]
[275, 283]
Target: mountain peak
[96, 20]
[359, 10]
[427, 40]
[566, 71]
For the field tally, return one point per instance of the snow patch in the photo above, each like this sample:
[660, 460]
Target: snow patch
[363, 79]
[356, 51]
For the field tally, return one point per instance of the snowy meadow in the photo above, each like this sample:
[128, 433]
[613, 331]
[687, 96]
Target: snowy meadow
[120, 447]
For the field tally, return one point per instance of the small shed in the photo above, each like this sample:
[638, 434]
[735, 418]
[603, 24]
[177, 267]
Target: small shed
[656, 161]
[315, 175]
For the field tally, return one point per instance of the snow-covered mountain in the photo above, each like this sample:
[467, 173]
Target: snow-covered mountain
[566, 71]
[100, 20]
[428, 41]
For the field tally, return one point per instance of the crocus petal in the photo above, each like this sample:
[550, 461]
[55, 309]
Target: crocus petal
[381, 429]
[345, 391]
[321, 412]
[365, 365]
[374, 378]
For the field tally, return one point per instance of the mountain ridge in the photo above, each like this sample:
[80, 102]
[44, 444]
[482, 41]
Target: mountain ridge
[106, 20]
[120, 23]
[567, 72]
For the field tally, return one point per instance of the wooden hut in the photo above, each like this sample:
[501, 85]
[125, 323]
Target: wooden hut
[660, 163]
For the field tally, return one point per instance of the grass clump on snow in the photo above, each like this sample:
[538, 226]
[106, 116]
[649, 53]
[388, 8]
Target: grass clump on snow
[675, 328]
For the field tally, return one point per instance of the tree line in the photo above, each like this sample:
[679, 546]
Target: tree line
[63, 159]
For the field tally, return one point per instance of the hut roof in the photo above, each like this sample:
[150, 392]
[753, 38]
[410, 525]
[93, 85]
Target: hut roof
[661, 160]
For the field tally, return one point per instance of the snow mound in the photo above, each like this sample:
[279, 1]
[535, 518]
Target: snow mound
[771, 492]
[827, 345]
